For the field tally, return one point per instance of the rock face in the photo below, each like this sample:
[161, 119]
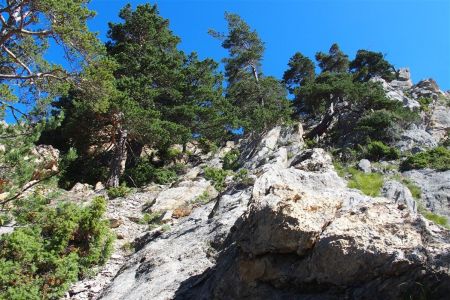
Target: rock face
[400, 194]
[416, 140]
[435, 188]
[182, 194]
[297, 233]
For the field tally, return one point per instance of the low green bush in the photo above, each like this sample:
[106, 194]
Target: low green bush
[437, 159]
[435, 218]
[377, 150]
[52, 248]
[120, 191]
[368, 183]
[415, 190]
[164, 176]
[242, 177]
[230, 160]
[425, 103]
[217, 176]
[151, 218]
[207, 146]
[145, 172]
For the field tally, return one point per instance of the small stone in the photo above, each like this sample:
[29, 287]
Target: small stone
[365, 166]
[114, 223]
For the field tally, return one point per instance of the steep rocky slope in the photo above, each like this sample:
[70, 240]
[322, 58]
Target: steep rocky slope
[292, 229]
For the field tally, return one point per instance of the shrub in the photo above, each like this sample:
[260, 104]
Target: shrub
[242, 177]
[377, 150]
[217, 176]
[437, 158]
[145, 172]
[230, 160]
[164, 176]
[207, 146]
[204, 198]
[54, 247]
[151, 218]
[120, 191]
[370, 184]
[425, 103]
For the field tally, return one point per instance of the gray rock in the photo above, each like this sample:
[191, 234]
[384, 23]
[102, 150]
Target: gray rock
[365, 166]
[312, 160]
[400, 194]
[297, 233]
[416, 140]
[439, 123]
[435, 188]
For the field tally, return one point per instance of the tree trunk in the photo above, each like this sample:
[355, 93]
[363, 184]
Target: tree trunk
[322, 127]
[119, 158]
[134, 153]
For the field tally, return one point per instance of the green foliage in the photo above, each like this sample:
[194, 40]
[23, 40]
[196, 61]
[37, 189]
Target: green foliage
[120, 191]
[425, 103]
[368, 64]
[54, 247]
[144, 172]
[231, 160]
[242, 177]
[415, 190]
[437, 159]
[207, 146]
[258, 102]
[370, 184]
[33, 28]
[217, 176]
[377, 150]
[204, 198]
[152, 218]
[348, 106]
[335, 61]
[435, 218]
[164, 176]
[301, 70]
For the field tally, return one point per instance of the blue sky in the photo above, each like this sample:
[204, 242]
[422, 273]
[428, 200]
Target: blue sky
[412, 33]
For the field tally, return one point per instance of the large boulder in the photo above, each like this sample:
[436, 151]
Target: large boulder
[400, 194]
[435, 188]
[305, 237]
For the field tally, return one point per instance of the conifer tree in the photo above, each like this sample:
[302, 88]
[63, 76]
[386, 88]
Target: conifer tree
[334, 61]
[259, 102]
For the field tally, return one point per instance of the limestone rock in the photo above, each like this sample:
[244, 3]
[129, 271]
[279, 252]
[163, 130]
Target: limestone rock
[312, 160]
[365, 166]
[184, 193]
[400, 194]
[99, 187]
[439, 124]
[435, 188]
[416, 140]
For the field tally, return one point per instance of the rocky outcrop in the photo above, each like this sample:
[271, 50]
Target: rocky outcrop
[416, 140]
[306, 236]
[297, 233]
[184, 193]
[435, 188]
[400, 194]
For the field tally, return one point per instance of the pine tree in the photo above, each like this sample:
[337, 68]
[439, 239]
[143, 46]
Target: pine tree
[334, 61]
[259, 102]
[368, 64]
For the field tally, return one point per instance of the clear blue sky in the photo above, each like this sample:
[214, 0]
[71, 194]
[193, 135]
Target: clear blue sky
[412, 33]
